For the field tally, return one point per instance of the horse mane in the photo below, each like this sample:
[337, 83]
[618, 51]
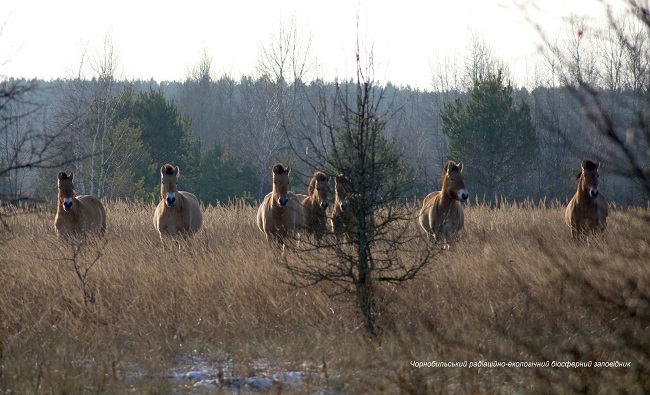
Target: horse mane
[318, 176]
[279, 168]
[168, 169]
[589, 164]
[449, 166]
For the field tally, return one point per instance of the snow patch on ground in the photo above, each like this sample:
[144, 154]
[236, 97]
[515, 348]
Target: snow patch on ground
[201, 373]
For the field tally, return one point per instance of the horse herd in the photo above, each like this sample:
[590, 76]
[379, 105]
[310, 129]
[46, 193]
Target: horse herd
[282, 211]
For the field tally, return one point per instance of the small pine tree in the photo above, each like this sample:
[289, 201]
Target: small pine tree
[166, 134]
[494, 137]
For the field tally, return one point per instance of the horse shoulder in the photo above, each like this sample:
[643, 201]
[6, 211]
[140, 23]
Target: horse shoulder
[263, 213]
[157, 214]
[336, 220]
[602, 211]
[167, 219]
[603, 206]
[432, 202]
[161, 218]
[569, 213]
[65, 224]
[459, 215]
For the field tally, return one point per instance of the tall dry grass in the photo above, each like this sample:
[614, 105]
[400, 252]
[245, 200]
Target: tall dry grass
[515, 288]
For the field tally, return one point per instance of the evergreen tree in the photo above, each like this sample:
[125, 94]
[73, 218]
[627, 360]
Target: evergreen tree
[223, 176]
[494, 137]
[166, 134]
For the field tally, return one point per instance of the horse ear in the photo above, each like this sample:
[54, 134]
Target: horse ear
[62, 176]
[598, 166]
[460, 166]
[578, 175]
[71, 176]
[162, 170]
[450, 166]
[288, 170]
[177, 171]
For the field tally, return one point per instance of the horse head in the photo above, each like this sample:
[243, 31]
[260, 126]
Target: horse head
[588, 178]
[342, 190]
[281, 184]
[453, 182]
[319, 188]
[168, 184]
[66, 190]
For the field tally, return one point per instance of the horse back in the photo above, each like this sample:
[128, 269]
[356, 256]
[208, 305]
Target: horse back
[301, 198]
[94, 213]
[192, 216]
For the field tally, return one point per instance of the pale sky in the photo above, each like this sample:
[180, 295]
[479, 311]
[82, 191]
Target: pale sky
[163, 40]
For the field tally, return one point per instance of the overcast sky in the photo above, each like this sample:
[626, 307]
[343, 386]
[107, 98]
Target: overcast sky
[163, 40]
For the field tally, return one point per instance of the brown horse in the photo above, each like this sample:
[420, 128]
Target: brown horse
[280, 212]
[587, 211]
[344, 220]
[179, 212]
[315, 204]
[77, 216]
[441, 215]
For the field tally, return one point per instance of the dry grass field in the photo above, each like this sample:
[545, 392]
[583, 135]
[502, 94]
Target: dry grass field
[126, 315]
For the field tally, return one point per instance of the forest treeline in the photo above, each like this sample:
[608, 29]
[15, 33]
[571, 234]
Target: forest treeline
[226, 135]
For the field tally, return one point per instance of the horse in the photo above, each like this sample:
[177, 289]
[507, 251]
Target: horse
[280, 212]
[441, 215]
[344, 220]
[179, 212]
[587, 211]
[77, 216]
[315, 205]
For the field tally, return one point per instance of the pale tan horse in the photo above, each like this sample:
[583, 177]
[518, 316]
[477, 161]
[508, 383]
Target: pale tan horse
[315, 205]
[441, 215]
[77, 216]
[587, 211]
[179, 212]
[280, 213]
[344, 220]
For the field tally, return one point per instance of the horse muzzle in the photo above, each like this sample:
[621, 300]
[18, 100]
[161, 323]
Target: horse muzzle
[283, 201]
[67, 204]
[463, 195]
[324, 205]
[593, 193]
[170, 200]
[343, 206]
